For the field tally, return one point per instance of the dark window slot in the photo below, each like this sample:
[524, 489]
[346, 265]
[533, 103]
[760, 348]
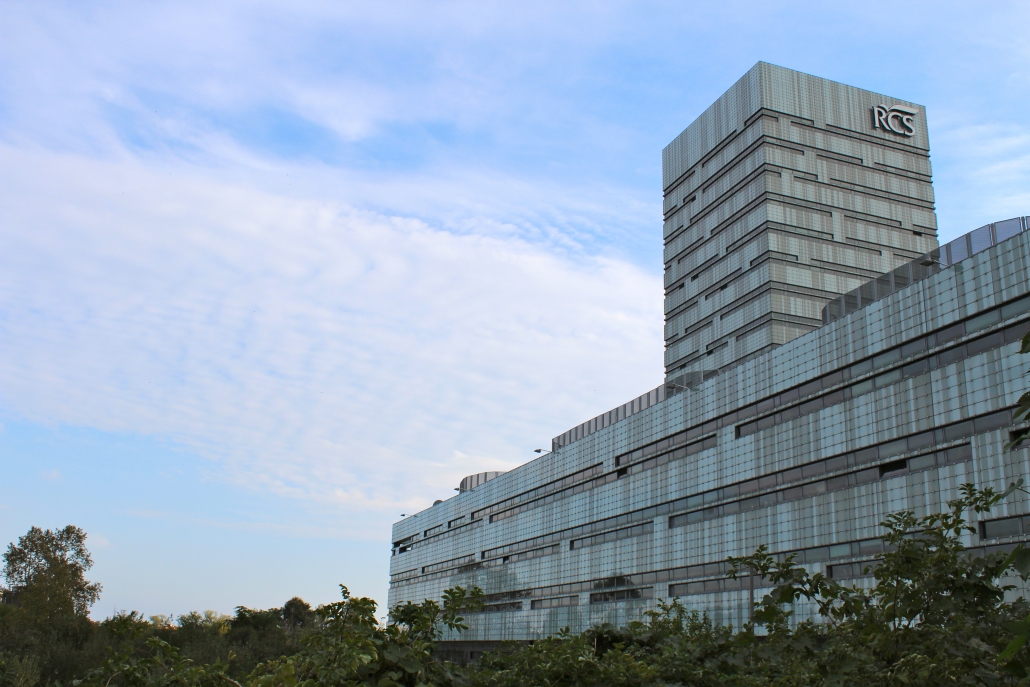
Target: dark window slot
[893, 468]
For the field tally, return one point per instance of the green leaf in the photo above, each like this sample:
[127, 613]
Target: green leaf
[1020, 560]
[1013, 487]
[394, 652]
[1014, 646]
[409, 664]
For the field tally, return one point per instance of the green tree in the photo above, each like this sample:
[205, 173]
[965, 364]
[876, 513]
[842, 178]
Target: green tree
[297, 613]
[46, 572]
[19, 671]
[935, 615]
[136, 658]
[600, 656]
[350, 647]
[45, 624]
[353, 648]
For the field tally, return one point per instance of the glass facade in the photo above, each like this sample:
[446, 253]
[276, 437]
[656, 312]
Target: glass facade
[803, 444]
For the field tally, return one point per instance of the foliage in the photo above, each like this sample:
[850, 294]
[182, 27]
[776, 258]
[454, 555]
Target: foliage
[672, 645]
[931, 613]
[297, 613]
[353, 648]
[44, 627]
[46, 571]
[252, 636]
[1022, 411]
[350, 648]
[18, 671]
[46, 637]
[139, 660]
[934, 615]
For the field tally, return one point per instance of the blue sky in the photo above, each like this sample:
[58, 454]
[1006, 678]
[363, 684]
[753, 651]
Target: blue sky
[272, 274]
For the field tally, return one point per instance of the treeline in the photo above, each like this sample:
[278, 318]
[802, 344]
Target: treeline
[67, 648]
[933, 614]
[47, 637]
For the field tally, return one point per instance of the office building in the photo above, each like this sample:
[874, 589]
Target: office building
[827, 364]
[786, 192]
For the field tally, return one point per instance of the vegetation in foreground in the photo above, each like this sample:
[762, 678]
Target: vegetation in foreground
[934, 615]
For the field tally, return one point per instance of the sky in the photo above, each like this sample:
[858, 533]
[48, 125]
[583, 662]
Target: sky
[274, 273]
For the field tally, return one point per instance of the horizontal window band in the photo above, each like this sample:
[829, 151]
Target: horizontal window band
[497, 608]
[614, 535]
[851, 571]
[867, 455]
[433, 539]
[555, 496]
[866, 549]
[912, 370]
[837, 571]
[999, 528]
[919, 441]
[926, 461]
[831, 380]
[613, 522]
[404, 575]
[452, 563]
[863, 548]
[678, 454]
[559, 602]
[887, 469]
[524, 555]
[621, 595]
[540, 491]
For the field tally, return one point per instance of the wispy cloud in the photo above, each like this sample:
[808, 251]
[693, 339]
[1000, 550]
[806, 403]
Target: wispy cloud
[349, 252]
[306, 347]
[995, 176]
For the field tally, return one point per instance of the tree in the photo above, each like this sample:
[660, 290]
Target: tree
[297, 613]
[353, 648]
[349, 648]
[935, 614]
[46, 571]
[136, 658]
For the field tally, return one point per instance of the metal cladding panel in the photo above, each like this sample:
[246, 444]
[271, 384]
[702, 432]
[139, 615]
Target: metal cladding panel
[722, 118]
[834, 104]
[787, 192]
[787, 91]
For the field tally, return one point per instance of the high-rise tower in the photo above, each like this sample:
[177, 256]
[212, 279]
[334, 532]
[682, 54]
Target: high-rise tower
[789, 194]
[786, 192]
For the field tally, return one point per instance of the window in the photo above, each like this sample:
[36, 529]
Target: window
[621, 595]
[555, 603]
[1005, 527]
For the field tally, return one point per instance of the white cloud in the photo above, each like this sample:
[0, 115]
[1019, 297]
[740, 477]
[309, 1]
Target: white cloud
[993, 174]
[364, 327]
[353, 358]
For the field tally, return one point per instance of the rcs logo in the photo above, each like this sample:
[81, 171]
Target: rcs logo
[896, 118]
